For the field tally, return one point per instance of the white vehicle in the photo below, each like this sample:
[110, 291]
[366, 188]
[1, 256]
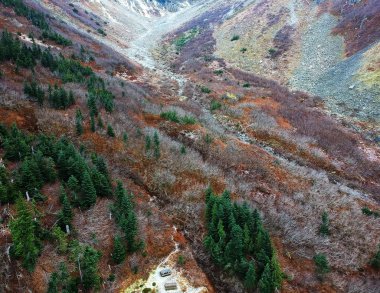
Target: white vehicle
[165, 272]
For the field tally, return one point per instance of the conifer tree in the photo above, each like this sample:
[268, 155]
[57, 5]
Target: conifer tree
[324, 228]
[16, 145]
[92, 123]
[101, 184]
[61, 238]
[100, 122]
[156, 142]
[88, 191]
[73, 183]
[59, 281]
[110, 131]
[78, 122]
[8, 190]
[125, 137]
[53, 283]
[30, 177]
[276, 272]
[250, 277]
[265, 283]
[234, 248]
[66, 214]
[183, 150]
[71, 100]
[322, 264]
[375, 261]
[119, 250]
[89, 268]
[130, 229]
[148, 143]
[91, 103]
[247, 240]
[26, 244]
[221, 233]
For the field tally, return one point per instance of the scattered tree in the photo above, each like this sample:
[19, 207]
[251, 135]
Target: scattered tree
[324, 228]
[119, 250]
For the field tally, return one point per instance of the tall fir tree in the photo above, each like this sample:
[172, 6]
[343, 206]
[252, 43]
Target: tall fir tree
[66, 214]
[88, 191]
[148, 144]
[89, 268]
[92, 123]
[119, 250]
[265, 283]
[250, 280]
[79, 122]
[277, 275]
[26, 244]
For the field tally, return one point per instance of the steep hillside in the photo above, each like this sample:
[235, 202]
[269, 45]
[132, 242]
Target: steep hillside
[318, 48]
[234, 142]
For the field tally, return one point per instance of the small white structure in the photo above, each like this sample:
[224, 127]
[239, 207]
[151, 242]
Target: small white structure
[170, 286]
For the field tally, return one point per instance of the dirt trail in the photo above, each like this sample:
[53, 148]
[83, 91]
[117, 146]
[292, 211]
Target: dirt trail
[158, 283]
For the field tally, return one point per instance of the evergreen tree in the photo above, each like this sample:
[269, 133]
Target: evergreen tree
[221, 233]
[26, 244]
[73, 183]
[92, 123]
[250, 277]
[59, 281]
[324, 228]
[8, 190]
[78, 122]
[276, 272]
[234, 248]
[125, 137]
[35, 92]
[247, 240]
[88, 191]
[119, 250]
[46, 167]
[375, 261]
[91, 104]
[101, 184]
[53, 283]
[16, 144]
[129, 226]
[110, 131]
[156, 142]
[125, 217]
[66, 214]
[88, 265]
[71, 100]
[234, 234]
[100, 122]
[183, 150]
[61, 238]
[265, 283]
[101, 166]
[322, 264]
[148, 143]
[30, 177]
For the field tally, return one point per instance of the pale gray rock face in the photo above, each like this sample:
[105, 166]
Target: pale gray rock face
[156, 7]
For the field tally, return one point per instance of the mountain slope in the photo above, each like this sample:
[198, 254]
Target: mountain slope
[194, 95]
